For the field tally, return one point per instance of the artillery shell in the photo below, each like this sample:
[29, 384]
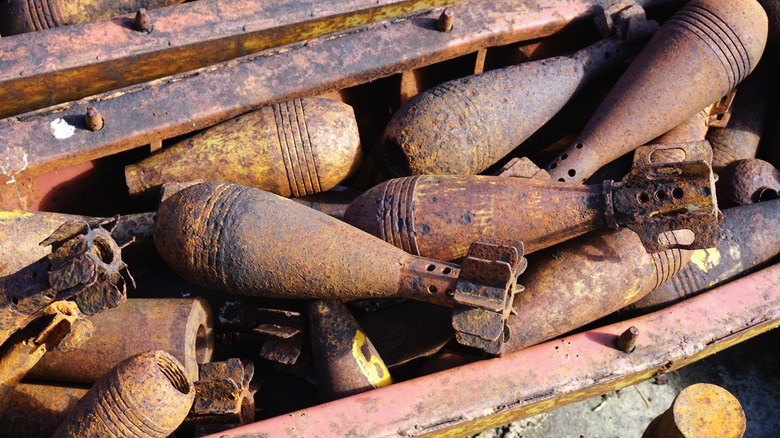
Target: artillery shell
[182, 327]
[147, 395]
[20, 16]
[748, 181]
[584, 279]
[696, 57]
[292, 148]
[463, 126]
[750, 239]
[36, 409]
[345, 360]
[700, 410]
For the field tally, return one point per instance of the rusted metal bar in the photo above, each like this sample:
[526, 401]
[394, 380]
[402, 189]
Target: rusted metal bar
[345, 360]
[150, 112]
[748, 181]
[461, 127]
[439, 216]
[487, 394]
[85, 267]
[21, 16]
[58, 65]
[739, 139]
[29, 228]
[35, 410]
[702, 410]
[583, 280]
[59, 325]
[706, 41]
[181, 326]
[251, 257]
[292, 148]
[147, 395]
[750, 239]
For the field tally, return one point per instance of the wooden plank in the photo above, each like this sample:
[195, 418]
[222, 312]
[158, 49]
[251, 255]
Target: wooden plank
[493, 392]
[44, 68]
[165, 108]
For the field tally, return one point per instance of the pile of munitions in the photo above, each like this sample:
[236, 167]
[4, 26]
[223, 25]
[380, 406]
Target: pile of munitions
[463, 185]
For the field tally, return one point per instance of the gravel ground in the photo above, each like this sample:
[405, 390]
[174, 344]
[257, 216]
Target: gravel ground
[750, 371]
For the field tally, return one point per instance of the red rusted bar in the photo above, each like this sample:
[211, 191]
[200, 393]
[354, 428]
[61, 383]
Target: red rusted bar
[706, 42]
[57, 65]
[490, 393]
[150, 112]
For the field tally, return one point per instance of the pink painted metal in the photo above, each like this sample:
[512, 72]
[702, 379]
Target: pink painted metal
[492, 392]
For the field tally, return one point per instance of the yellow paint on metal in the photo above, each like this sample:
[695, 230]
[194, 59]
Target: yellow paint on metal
[706, 259]
[7, 215]
[372, 367]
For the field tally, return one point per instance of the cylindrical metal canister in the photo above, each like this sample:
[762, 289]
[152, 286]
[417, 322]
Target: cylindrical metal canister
[147, 395]
[292, 148]
[345, 360]
[36, 409]
[21, 16]
[181, 326]
[463, 126]
[582, 280]
[696, 57]
[701, 410]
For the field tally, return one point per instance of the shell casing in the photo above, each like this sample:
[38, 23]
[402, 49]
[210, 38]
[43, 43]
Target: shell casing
[292, 148]
[147, 395]
[696, 57]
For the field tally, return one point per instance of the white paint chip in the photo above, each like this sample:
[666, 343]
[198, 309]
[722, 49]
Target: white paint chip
[61, 130]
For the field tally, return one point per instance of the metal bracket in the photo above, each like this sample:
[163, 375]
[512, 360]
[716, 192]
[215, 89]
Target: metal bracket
[485, 293]
[720, 113]
[627, 19]
[671, 188]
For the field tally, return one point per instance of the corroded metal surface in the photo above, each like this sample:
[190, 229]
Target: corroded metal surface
[582, 280]
[700, 410]
[238, 239]
[334, 202]
[21, 16]
[772, 8]
[750, 239]
[345, 360]
[487, 394]
[147, 395]
[463, 126]
[740, 137]
[58, 65]
[439, 216]
[748, 181]
[292, 148]
[223, 394]
[59, 325]
[151, 112]
[85, 267]
[29, 228]
[182, 327]
[36, 409]
[705, 42]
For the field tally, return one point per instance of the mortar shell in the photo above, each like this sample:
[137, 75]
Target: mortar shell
[696, 57]
[584, 279]
[463, 126]
[293, 148]
[182, 327]
[147, 395]
[36, 409]
[748, 181]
